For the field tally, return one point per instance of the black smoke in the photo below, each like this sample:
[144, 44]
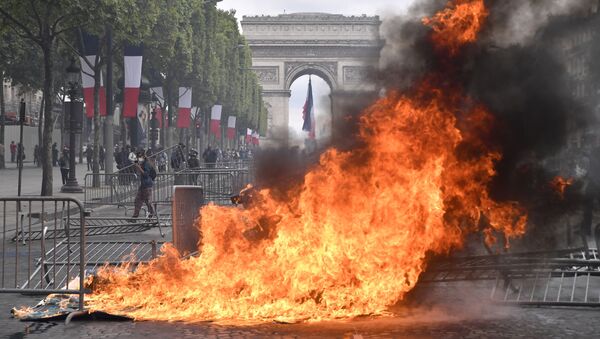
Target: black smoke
[515, 71]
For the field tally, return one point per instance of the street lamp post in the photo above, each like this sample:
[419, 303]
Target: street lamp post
[154, 123]
[74, 117]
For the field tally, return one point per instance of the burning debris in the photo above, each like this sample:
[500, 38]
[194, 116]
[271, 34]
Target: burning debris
[352, 238]
[560, 184]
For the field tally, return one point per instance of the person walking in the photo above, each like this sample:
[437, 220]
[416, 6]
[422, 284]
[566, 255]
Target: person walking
[63, 162]
[101, 154]
[13, 151]
[89, 153]
[20, 154]
[147, 173]
[36, 155]
[54, 155]
[178, 159]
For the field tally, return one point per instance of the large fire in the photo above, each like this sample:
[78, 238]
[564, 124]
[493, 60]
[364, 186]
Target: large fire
[352, 239]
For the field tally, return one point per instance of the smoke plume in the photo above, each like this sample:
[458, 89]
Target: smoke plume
[514, 69]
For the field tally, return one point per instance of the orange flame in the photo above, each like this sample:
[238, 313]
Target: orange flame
[560, 184]
[458, 24]
[351, 240]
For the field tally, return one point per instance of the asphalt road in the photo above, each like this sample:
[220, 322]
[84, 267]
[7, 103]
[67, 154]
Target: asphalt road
[445, 312]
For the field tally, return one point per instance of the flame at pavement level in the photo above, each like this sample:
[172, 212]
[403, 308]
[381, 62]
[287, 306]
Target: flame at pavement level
[352, 239]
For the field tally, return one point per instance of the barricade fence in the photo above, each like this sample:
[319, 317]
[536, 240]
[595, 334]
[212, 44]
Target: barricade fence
[160, 158]
[120, 189]
[43, 264]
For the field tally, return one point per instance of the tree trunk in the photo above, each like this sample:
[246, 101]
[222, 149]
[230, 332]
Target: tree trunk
[2, 110]
[45, 150]
[96, 147]
[40, 128]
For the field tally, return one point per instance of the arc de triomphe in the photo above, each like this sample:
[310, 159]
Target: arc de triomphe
[340, 49]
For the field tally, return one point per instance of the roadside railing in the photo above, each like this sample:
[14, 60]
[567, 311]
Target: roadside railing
[155, 157]
[120, 189]
[42, 264]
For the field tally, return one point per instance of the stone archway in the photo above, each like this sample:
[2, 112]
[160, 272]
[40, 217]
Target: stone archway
[340, 49]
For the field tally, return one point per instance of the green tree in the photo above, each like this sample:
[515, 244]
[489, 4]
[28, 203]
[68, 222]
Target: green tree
[131, 21]
[42, 22]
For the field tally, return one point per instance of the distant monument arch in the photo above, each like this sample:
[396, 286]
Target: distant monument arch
[340, 49]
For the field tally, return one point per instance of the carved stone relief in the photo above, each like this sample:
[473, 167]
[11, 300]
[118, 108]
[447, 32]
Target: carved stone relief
[313, 52]
[354, 74]
[267, 74]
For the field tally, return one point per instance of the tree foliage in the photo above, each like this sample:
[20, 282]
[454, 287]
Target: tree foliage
[188, 43]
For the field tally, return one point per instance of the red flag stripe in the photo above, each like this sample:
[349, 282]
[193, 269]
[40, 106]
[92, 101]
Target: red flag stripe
[130, 102]
[184, 117]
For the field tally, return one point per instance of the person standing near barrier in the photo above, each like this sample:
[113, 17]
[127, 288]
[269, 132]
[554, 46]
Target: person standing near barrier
[210, 157]
[162, 160]
[13, 151]
[89, 152]
[147, 174]
[63, 162]
[178, 158]
[20, 154]
[101, 155]
[193, 161]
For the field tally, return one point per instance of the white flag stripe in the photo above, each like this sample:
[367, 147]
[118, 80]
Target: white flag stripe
[231, 122]
[215, 114]
[133, 71]
[185, 97]
[87, 73]
[195, 112]
[159, 94]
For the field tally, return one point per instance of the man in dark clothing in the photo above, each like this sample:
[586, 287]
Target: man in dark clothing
[36, 155]
[210, 157]
[13, 151]
[63, 162]
[101, 155]
[193, 161]
[147, 174]
[117, 156]
[54, 155]
[178, 159]
[20, 154]
[89, 153]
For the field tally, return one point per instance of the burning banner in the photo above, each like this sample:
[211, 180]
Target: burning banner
[353, 237]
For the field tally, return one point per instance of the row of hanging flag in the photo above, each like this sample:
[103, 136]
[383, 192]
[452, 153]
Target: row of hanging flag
[133, 58]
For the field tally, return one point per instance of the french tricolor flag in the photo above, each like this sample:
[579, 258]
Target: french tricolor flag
[133, 79]
[185, 107]
[215, 120]
[231, 127]
[158, 92]
[90, 46]
[248, 136]
[308, 113]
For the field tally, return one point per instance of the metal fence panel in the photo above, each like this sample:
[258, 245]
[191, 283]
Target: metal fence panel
[120, 189]
[25, 261]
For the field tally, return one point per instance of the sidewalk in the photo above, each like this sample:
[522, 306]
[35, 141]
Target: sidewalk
[32, 180]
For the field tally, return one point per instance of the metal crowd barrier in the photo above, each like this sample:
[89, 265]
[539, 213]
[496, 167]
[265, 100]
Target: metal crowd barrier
[120, 189]
[154, 156]
[569, 277]
[29, 264]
